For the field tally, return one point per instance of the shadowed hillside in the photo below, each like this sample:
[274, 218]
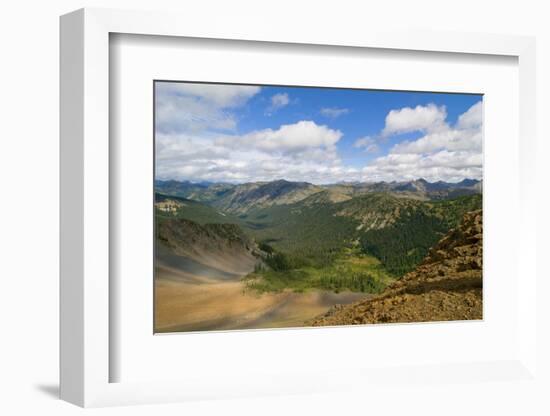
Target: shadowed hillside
[222, 246]
[245, 197]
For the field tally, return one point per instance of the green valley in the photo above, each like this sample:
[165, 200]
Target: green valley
[349, 270]
[358, 243]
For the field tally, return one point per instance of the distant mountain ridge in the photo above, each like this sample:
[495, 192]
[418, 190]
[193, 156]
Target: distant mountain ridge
[245, 197]
[241, 198]
[396, 229]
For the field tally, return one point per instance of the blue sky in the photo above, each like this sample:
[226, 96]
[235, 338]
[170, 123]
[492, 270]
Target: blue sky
[234, 133]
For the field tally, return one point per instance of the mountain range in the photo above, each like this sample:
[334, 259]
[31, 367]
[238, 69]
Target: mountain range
[396, 222]
[404, 241]
[242, 198]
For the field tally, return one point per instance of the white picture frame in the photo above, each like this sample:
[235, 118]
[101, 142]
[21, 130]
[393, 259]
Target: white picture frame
[85, 211]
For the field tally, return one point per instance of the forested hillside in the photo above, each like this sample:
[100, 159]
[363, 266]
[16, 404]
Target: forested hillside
[403, 244]
[315, 238]
[447, 285]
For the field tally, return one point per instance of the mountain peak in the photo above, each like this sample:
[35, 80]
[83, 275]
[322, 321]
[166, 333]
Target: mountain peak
[468, 182]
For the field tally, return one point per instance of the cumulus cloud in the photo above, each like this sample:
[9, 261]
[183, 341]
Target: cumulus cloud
[333, 112]
[287, 138]
[197, 139]
[421, 118]
[367, 143]
[303, 151]
[450, 139]
[278, 101]
[444, 152]
[183, 107]
[220, 95]
[472, 118]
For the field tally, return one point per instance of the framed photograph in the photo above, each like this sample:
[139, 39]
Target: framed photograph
[282, 213]
[286, 206]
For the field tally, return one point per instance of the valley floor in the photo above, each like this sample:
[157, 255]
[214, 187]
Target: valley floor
[200, 300]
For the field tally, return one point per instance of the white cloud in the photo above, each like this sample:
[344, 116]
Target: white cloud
[303, 151]
[183, 107]
[219, 95]
[421, 118]
[472, 118]
[367, 143]
[450, 139]
[196, 140]
[363, 142]
[333, 112]
[287, 138]
[278, 101]
[448, 153]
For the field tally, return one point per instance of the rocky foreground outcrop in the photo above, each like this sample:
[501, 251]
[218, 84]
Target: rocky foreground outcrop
[446, 286]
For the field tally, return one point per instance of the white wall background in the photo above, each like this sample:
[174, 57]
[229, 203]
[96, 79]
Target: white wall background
[29, 56]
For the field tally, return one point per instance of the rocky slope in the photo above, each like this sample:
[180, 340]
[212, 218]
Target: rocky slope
[446, 286]
[221, 246]
[376, 210]
[257, 195]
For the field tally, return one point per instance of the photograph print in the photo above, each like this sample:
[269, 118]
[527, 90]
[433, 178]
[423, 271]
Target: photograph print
[280, 206]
